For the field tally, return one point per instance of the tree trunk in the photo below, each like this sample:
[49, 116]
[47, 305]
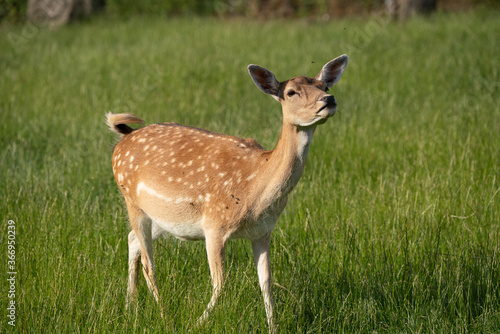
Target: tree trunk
[55, 13]
[402, 9]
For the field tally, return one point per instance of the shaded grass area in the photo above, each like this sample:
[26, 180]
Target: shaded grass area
[393, 228]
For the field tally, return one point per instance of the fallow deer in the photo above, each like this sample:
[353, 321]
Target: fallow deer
[200, 185]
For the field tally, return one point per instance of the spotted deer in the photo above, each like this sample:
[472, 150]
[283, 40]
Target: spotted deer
[200, 185]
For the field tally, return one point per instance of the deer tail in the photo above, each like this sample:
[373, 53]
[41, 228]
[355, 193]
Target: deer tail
[118, 122]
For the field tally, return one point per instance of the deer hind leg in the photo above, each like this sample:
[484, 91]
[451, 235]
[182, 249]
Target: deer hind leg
[142, 228]
[216, 250]
[134, 258]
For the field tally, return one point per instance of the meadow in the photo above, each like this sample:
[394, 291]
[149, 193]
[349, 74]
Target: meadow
[393, 228]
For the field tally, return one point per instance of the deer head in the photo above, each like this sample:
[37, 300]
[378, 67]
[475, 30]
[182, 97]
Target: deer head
[305, 100]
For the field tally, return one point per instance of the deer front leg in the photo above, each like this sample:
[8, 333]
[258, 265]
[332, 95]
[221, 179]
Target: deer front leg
[261, 256]
[216, 247]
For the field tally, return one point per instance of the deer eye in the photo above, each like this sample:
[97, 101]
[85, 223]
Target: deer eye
[291, 93]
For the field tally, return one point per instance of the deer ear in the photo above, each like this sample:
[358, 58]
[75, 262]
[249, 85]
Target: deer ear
[265, 80]
[332, 71]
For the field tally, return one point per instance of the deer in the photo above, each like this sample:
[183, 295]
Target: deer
[199, 185]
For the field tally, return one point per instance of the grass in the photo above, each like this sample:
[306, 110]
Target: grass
[393, 228]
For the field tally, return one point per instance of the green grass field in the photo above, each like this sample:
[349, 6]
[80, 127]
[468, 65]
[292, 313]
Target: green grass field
[394, 227]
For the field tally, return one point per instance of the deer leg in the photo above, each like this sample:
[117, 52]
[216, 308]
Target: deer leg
[148, 265]
[142, 226]
[261, 256]
[216, 247]
[156, 232]
[134, 258]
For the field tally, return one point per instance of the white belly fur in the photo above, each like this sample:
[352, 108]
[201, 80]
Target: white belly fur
[183, 231]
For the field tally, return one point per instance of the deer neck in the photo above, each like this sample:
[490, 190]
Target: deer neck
[284, 165]
[289, 157]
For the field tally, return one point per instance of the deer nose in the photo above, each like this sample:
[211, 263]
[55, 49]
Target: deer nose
[329, 100]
